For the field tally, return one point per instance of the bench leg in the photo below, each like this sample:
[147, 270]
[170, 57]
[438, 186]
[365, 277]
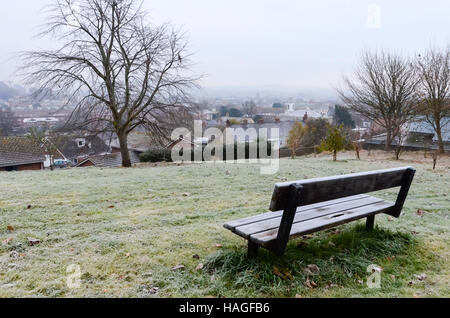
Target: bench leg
[253, 249]
[280, 249]
[370, 223]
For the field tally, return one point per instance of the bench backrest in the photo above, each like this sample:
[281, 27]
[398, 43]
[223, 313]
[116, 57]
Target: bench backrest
[330, 188]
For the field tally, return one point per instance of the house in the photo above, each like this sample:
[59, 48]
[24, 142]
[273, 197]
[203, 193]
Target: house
[20, 153]
[418, 135]
[301, 114]
[421, 129]
[107, 161]
[249, 133]
[75, 148]
[138, 142]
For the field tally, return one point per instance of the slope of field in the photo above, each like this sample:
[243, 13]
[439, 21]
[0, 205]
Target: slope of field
[126, 230]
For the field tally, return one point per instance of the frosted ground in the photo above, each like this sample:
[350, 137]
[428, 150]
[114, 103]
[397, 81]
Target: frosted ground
[127, 229]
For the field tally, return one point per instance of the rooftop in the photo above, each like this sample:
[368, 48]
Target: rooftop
[15, 151]
[110, 160]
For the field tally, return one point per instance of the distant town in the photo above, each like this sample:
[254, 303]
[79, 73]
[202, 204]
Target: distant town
[22, 112]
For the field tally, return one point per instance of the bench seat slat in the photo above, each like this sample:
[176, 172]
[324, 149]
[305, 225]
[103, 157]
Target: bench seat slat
[328, 221]
[271, 215]
[302, 216]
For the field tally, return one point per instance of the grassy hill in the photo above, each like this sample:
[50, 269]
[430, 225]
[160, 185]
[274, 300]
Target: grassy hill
[127, 229]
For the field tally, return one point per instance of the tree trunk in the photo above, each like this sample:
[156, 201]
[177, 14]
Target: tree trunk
[335, 155]
[435, 158]
[388, 140]
[439, 135]
[123, 141]
[397, 152]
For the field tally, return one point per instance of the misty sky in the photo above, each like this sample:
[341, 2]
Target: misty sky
[282, 43]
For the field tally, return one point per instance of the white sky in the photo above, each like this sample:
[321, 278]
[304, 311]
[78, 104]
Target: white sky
[284, 43]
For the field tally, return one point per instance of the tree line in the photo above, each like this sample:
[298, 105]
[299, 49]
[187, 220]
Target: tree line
[393, 90]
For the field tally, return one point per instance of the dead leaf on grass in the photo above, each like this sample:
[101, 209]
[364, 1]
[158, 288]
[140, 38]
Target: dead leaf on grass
[33, 241]
[6, 242]
[282, 273]
[421, 277]
[178, 267]
[311, 284]
[312, 269]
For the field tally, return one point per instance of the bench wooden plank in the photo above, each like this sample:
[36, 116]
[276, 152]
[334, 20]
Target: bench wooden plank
[328, 221]
[271, 215]
[246, 230]
[329, 188]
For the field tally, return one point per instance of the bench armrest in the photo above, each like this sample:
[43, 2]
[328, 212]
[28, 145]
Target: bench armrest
[403, 193]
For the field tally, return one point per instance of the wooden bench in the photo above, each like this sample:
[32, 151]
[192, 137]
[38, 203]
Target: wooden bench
[304, 207]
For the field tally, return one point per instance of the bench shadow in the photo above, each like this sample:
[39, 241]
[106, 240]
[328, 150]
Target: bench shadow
[341, 255]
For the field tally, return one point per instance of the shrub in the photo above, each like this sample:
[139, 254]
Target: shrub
[156, 155]
[335, 141]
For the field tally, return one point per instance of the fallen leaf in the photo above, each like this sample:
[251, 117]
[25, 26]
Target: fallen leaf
[421, 277]
[33, 241]
[10, 228]
[219, 245]
[6, 242]
[330, 285]
[29, 206]
[360, 282]
[282, 273]
[311, 284]
[298, 296]
[410, 283]
[186, 194]
[312, 269]
[127, 255]
[196, 256]
[393, 277]
[416, 296]
[199, 267]
[178, 267]
[153, 290]
[420, 212]
[111, 207]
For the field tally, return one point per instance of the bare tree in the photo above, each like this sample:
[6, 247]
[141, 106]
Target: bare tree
[120, 72]
[383, 90]
[434, 72]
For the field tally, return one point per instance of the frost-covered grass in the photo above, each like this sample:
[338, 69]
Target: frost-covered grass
[127, 229]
